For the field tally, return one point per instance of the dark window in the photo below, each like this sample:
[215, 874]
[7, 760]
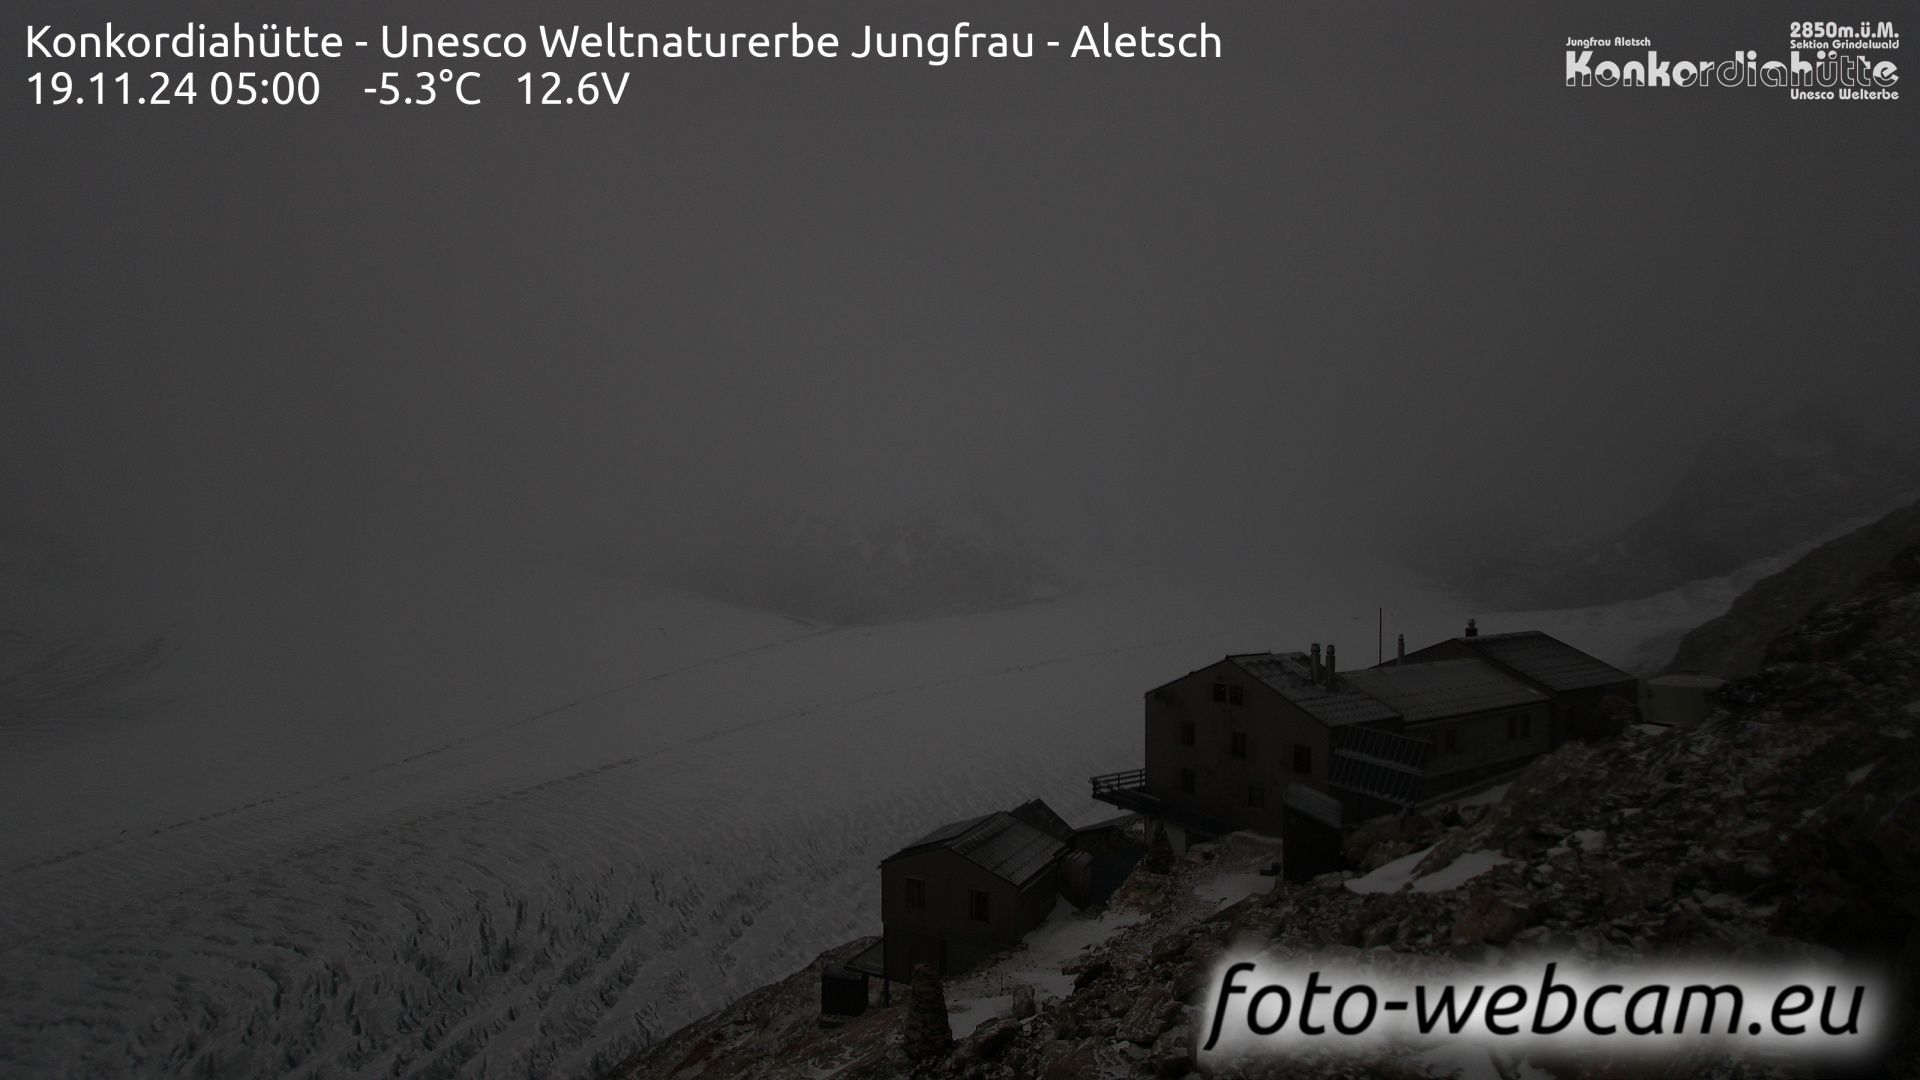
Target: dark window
[1239, 744]
[1256, 796]
[1303, 759]
[916, 893]
[1236, 695]
[1219, 691]
[977, 905]
[1186, 733]
[1453, 740]
[1186, 781]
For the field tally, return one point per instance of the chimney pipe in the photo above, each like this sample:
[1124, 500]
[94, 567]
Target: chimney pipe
[1313, 665]
[1472, 630]
[1331, 677]
[1400, 651]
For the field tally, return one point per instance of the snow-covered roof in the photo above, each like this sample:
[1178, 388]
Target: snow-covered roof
[998, 843]
[1286, 674]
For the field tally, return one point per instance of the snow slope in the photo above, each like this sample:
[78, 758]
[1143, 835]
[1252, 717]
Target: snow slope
[513, 821]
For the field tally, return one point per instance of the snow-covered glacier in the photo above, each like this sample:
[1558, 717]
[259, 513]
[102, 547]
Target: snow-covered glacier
[495, 819]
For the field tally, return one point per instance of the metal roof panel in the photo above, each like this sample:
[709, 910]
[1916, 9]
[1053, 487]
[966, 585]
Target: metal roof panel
[1547, 660]
[1286, 674]
[1441, 688]
[999, 843]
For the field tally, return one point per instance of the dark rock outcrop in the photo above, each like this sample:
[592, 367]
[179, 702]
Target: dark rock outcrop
[1735, 644]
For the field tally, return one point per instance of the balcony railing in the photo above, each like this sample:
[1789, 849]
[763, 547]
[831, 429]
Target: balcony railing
[1128, 791]
[1112, 783]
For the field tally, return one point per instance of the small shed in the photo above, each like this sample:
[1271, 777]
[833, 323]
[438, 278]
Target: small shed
[1112, 847]
[969, 888]
[843, 991]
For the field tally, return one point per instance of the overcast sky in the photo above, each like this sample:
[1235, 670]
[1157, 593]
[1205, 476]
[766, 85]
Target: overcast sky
[1374, 271]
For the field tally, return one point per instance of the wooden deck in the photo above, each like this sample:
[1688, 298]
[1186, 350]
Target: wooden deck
[1128, 791]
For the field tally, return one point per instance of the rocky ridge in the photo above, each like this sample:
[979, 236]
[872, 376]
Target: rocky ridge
[1734, 644]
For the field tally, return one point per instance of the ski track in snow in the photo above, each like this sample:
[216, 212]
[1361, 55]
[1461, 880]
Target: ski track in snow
[540, 894]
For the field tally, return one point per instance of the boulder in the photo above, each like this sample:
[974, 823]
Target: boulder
[1089, 1059]
[992, 1038]
[1171, 947]
[1635, 889]
[1172, 1053]
[1364, 837]
[1152, 1013]
[1490, 918]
